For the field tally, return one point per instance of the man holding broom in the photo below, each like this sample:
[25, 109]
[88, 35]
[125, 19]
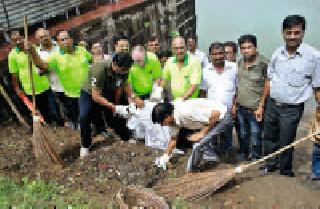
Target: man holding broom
[18, 67]
[208, 117]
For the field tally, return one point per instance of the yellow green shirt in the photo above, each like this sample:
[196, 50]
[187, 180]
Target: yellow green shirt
[182, 78]
[72, 69]
[141, 78]
[18, 64]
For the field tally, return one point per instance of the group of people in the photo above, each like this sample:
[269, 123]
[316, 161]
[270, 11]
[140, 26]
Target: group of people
[200, 98]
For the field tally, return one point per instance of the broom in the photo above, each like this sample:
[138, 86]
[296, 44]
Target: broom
[13, 107]
[193, 186]
[40, 141]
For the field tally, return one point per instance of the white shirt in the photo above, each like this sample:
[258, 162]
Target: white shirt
[201, 56]
[53, 77]
[220, 86]
[195, 113]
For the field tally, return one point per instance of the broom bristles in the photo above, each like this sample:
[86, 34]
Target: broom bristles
[197, 185]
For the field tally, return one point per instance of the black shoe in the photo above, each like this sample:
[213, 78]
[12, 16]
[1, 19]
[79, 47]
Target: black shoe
[287, 173]
[270, 169]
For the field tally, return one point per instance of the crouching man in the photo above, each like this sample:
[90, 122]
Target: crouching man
[209, 117]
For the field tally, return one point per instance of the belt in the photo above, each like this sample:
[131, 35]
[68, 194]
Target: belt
[282, 104]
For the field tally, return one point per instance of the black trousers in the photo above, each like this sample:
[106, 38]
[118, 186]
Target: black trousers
[42, 104]
[90, 112]
[280, 127]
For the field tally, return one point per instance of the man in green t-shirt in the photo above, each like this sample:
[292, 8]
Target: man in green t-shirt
[145, 71]
[183, 71]
[18, 67]
[72, 65]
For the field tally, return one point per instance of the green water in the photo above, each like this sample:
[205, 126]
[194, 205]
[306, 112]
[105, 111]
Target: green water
[228, 19]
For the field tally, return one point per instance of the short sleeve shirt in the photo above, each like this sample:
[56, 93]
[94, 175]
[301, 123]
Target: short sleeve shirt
[251, 82]
[18, 64]
[182, 78]
[105, 80]
[72, 69]
[220, 86]
[292, 78]
[141, 78]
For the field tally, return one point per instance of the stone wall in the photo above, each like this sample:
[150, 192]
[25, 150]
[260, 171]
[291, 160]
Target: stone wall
[139, 22]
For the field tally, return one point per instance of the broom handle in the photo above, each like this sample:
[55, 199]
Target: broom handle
[13, 107]
[279, 151]
[25, 27]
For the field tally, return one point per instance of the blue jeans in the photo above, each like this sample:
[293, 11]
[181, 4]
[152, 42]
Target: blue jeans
[90, 112]
[316, 161]
[250, 133]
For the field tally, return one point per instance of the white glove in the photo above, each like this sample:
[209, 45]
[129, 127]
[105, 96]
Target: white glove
[162, 161]
[122, 111]
[132, 109]
[157, 94]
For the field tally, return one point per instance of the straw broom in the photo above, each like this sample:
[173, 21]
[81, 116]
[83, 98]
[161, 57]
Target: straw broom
[193, 186]
[41, 143]
[13, 107]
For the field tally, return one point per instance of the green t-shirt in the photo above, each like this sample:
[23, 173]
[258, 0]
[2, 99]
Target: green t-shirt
[18, 64]
[141, 78]
[182, 78]
[72, 69]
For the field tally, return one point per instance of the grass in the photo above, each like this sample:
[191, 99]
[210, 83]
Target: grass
[39, 194]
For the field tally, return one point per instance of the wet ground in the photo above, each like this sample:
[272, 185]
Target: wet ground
[113, 164]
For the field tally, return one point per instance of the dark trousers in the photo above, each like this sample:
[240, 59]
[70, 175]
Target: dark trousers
[280, 127]
[54, 109]
[42, 104]
[119, 125]
[250, 133]
[90, 112]
[71, 108]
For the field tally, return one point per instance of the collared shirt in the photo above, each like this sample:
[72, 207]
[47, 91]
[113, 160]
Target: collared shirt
[293, 77]
[220, 86]
[53, 77]
[72, 69]
[195, 113]
[142, 78]
[201, 56]
[18, 64]
[251, 82]
[182, 78]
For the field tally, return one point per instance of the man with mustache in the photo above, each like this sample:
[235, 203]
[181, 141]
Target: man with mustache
[251, 96]
[293, 74]
[219, 83]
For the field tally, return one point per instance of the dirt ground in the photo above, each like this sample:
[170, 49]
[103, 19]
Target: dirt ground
[113, 164]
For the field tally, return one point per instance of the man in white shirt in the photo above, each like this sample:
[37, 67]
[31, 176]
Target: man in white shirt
[208, 117]
[45, 49]
[192, 49]
[219, 83]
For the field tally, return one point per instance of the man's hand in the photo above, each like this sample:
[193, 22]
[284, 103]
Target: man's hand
[139, 102]
[162, 161]
[259, 113]
[196, 137]
[234, 111]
